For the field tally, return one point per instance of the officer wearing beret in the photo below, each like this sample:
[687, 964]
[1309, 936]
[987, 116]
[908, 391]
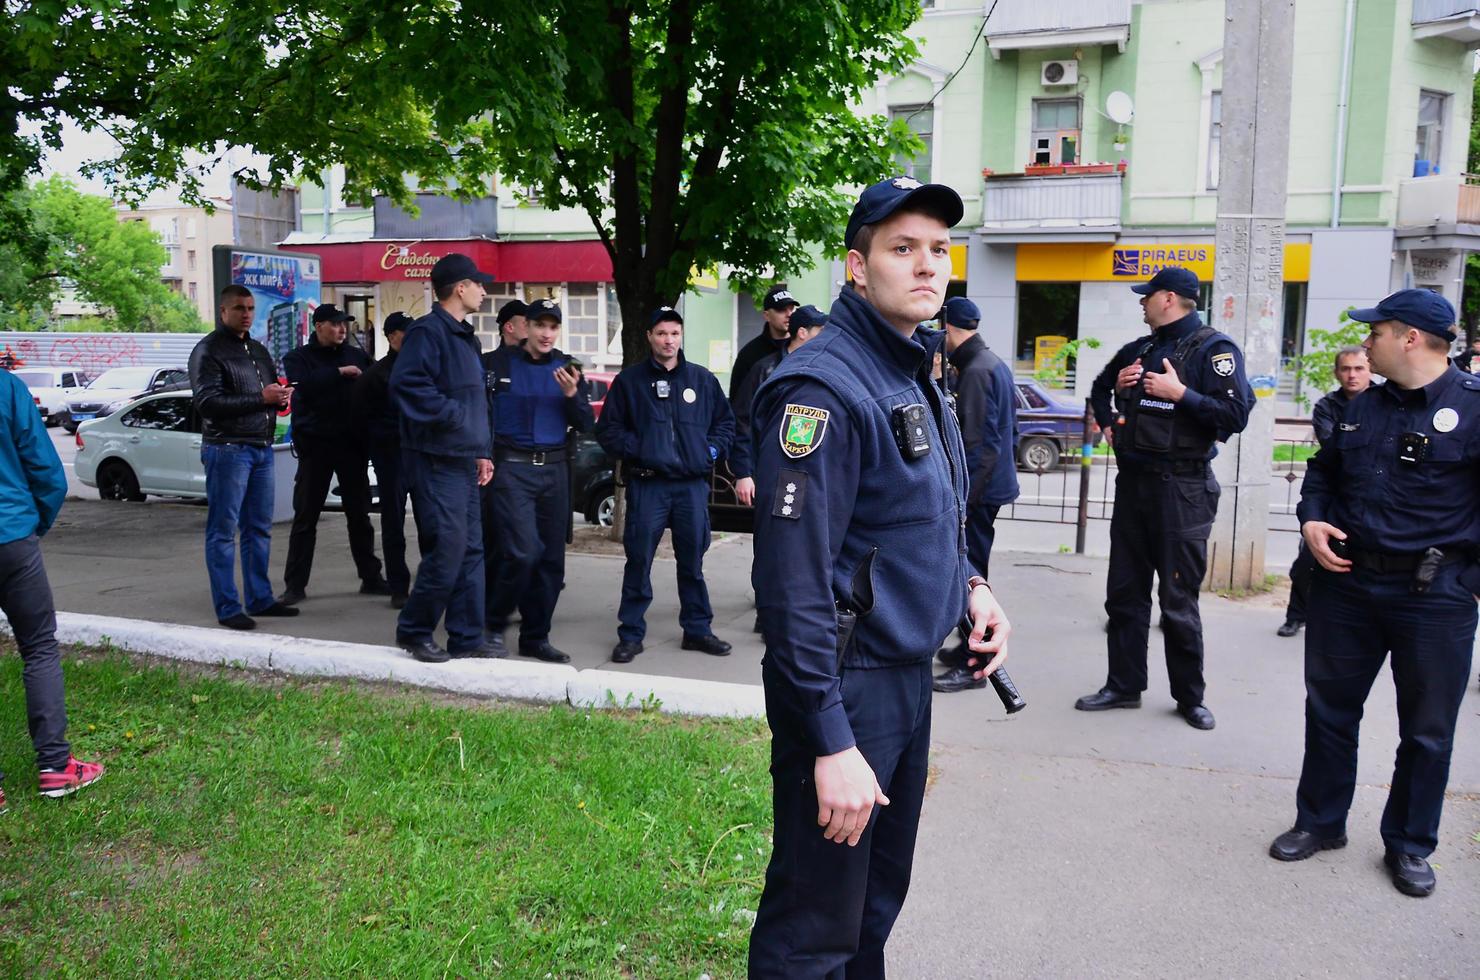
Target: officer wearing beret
[804, 324]
[1181, 390]
[986, 406]
[539, 396]
[447, 453]
[1390, 512]
[667, 420]
[375, 404]
[861, 502]
[776, 310]
[513, 329]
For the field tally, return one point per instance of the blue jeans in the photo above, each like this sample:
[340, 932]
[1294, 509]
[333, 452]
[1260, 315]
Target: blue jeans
[238, 498]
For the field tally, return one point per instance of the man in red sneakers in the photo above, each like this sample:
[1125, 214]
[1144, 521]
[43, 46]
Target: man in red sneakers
[32, 486]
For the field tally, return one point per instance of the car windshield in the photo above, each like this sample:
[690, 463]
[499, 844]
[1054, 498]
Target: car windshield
[34, 379]
[129, 377]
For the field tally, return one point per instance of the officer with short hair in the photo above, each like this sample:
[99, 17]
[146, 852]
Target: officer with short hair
[667, 420]
[986, 405]
[860, 500]
[804, 324]
[1389, 510]
[513, 323]
[1181, 390]
[538, 397]
[776, 310]
[376, 405]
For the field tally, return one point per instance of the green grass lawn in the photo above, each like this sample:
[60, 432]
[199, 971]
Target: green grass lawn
[276, 828]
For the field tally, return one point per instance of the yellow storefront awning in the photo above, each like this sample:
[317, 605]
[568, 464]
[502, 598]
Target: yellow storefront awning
[1132, 261]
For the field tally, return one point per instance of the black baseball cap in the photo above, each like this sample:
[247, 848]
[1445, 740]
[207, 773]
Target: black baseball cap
[961, 313]
[805, 317]
[1181, 281]
[1423, 309]
[879, 201]
[778, 298]
[510, 310]
[454, 267]
[543, 308]
[329, 313]
[396, 321]
[665, 314]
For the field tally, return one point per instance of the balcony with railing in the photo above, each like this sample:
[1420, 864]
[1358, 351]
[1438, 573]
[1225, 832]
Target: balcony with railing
[1081, 203]
[1458, 20]
[1063, 23]
[1440, 200]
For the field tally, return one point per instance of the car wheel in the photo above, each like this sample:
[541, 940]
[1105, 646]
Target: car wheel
[117, 482]
[70, 426]
[601, 506]
[1038, 454]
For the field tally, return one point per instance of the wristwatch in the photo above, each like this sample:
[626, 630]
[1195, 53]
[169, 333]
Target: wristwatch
[977, 580]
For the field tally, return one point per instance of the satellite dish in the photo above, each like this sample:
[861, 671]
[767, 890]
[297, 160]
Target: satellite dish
[1119, 108]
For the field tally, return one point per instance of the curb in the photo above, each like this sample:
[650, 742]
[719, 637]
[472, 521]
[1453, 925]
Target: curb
[505, 679]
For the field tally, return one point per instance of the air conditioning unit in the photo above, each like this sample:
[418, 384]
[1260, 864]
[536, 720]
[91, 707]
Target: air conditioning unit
[1059, 73]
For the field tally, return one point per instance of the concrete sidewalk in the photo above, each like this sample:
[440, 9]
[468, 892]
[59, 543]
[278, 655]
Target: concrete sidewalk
[1055, 843]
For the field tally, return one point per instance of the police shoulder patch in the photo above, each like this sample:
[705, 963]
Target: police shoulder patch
[802, 429]
[1223, 364]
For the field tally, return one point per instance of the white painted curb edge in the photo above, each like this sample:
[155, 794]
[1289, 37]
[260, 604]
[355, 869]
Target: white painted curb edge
[510, 679]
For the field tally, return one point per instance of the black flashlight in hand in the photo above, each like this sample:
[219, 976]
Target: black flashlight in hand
[1006, 690]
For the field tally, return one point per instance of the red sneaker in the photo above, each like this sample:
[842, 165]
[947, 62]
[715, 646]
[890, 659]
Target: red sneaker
[69, 778]
[2, 801]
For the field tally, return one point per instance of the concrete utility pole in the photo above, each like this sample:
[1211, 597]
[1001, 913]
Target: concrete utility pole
[1249, 272]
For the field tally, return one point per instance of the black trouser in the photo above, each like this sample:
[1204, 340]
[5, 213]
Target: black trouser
[981, 531]
[827, 908]
[319, 460]
[1301, 571]
[393, 492]
[1160, 527]
[449, 580]
[25, 597]
[1356, 619]
[531, 505]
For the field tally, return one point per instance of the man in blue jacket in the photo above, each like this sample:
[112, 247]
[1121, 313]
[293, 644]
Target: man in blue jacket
[986, 405]
[539, 396]
[860, 479]
[667, 421]
[447, 454]
[32, 487]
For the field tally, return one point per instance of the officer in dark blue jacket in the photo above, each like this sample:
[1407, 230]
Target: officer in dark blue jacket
[374, 404]
[1181, 391]
[667, 421]
[539, 396]
[513, 329]
[986, 405]
[860, 501]
[1390, 509]
[447, 453]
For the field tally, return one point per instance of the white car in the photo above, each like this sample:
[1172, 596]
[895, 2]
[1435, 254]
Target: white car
[115, 388]
[51, 387]
[151, 446]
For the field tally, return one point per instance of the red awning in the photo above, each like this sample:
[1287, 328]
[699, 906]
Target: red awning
[402, 261]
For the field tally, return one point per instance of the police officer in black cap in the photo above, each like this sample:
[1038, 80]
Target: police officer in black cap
[439, 384]
[1389, 510]
[861, 501]
[513, 329]
[986, 405]
[378, 408]
[539, 396]
[513, 324]
[667, 420]
[1180, 390]
[329, 445]
[776, 309]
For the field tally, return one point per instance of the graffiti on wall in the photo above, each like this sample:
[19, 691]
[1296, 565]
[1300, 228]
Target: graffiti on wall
[94, 353]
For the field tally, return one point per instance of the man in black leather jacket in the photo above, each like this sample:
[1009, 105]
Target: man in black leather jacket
[328, 444]
[237, 397]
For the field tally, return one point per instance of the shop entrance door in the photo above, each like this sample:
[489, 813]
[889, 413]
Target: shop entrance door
[1048, 318]
[361, 306]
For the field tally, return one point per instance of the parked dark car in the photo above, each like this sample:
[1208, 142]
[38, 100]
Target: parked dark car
[1042, 442]
[115, 388]
[595, 482]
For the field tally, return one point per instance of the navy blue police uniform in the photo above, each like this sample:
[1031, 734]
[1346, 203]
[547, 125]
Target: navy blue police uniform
[531, 420]
[667, 427]
[1165, 494]
[836, 493]
[763, 345]
[743, 398]
[373, 403]
[491, 546]
[1400, 476]
[439, 386]
[1323, 419]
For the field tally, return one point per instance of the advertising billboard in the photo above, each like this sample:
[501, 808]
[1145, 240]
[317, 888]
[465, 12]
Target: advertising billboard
[286, 285]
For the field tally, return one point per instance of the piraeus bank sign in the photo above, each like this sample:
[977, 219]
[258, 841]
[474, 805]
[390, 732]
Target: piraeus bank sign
[1145, 261]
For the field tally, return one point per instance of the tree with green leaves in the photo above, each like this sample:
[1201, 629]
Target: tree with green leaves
[77, 238]
[693, 133]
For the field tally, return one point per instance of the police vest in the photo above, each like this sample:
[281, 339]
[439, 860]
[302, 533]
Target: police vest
[1153, 425]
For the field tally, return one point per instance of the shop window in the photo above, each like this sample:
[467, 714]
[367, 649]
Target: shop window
[1432, 107]
[1055, 135]
[582, 334]
[1215, 137]
[920, 120]
[1048, 310]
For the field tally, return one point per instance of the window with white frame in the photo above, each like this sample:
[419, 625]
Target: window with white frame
[920, 120]
[1055, 134]
[1215, 137]
[1430, 138]
[582, 320]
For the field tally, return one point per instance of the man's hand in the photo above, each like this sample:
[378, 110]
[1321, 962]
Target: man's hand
[1129, 375]
[568, 379]
[485, 472]
[1167, 385]
[1109, 433]
[1318, 535]
[350, 371]
[275, 394]
[986, 614]
[847, 791]
[745, 491]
